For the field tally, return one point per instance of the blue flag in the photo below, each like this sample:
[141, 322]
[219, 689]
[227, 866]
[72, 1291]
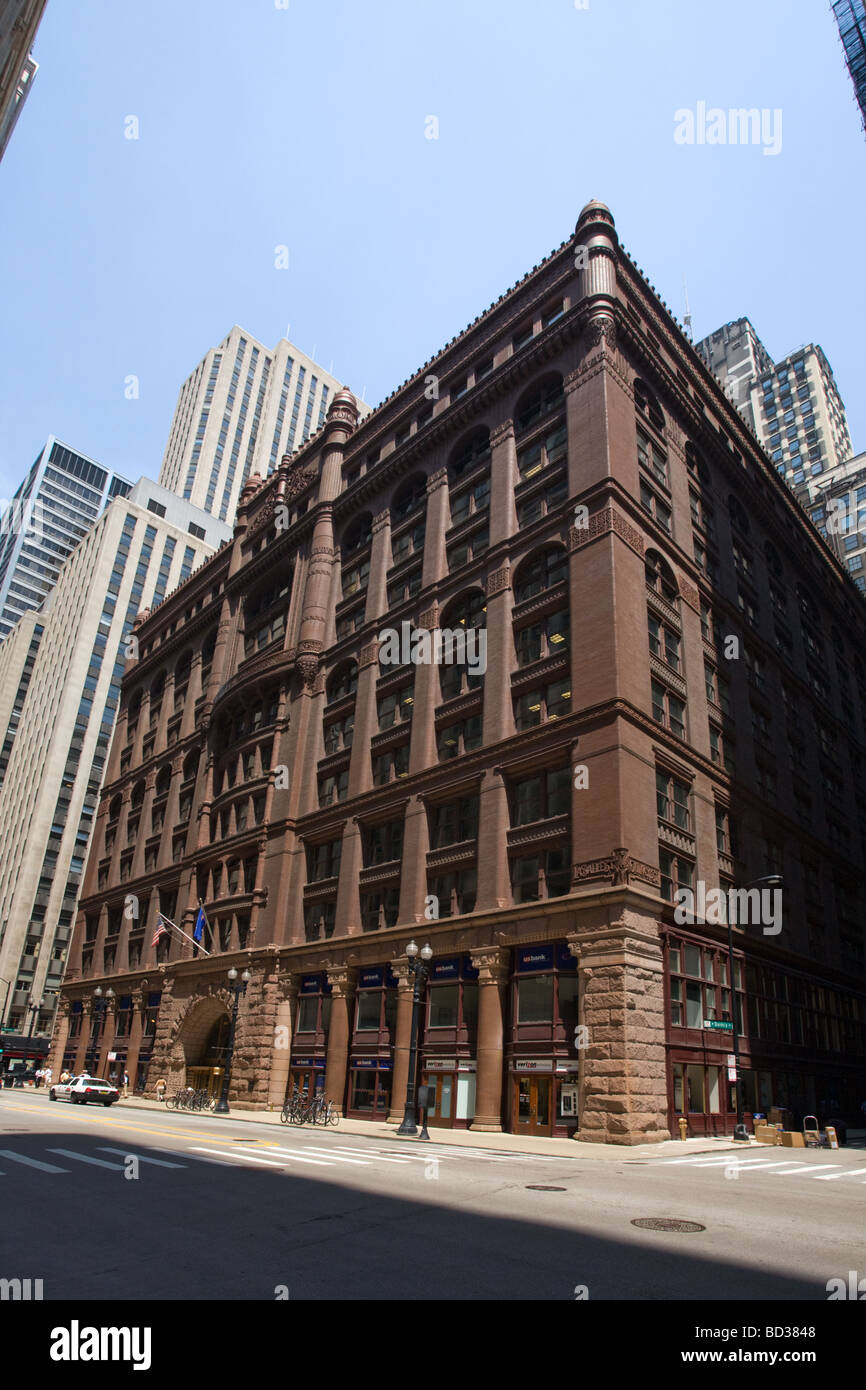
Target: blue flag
[200, 924]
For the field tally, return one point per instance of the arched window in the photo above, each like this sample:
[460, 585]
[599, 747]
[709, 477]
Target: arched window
[343, 682]
[648, 405]
[357, 535]
[463, 657]
[409, 499]
[163, 781]
[774, 564]
[135, 705]
[471, 453]
[542, 571]
[738, 515]
[190, 765]
[541, 399]
[114, 809]
[137, 796]
[660, 578]
[182, 669]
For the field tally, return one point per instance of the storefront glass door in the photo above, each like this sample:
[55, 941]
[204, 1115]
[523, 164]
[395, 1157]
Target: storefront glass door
[532, 1104]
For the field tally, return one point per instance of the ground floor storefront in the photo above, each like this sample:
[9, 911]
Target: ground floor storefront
[608, 1031]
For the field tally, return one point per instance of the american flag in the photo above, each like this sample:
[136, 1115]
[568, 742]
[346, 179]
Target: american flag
[161, 930]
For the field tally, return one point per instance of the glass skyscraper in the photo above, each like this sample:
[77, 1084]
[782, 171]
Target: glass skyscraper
[851, 18]
[53, 510]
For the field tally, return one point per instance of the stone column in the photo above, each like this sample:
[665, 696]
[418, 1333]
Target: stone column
[427, 695]
[380, 562]
[136, 1032]
[413, 880]
[498, 711]
[402, 1037]
[494, 887]
[623, 1090]
[492, 966]
[503, 480]
[438, 521]
[342, 979]
[281, 1062]
[366, 720]
[348, 912]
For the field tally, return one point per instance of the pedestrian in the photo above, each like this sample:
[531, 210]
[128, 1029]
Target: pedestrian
[37, 1080]
[48, 1076]
[126, 1083]
[161, 1088]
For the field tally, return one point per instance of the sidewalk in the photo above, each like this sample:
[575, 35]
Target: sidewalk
[461, 1138]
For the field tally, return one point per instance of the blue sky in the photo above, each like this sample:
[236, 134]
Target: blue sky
[304, 126]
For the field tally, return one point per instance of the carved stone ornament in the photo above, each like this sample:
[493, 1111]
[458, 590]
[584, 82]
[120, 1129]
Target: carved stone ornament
[308, 668]
[601, 330]
[297, 480]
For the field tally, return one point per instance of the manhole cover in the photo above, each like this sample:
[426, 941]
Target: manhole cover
[543, 1187]
[667, 1223]
[246, 1141]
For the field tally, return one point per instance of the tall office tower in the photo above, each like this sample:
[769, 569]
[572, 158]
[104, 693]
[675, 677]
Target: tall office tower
[838, 509]
[19, 20]
[61, 694]
[240, 411]
[794, 406]
[53, 509]
[851, 18]
[473, 682]
[736, 355]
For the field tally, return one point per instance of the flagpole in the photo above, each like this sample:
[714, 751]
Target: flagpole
[183, 933]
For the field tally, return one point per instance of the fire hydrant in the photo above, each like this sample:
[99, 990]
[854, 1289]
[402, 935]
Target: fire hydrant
[684, 1127]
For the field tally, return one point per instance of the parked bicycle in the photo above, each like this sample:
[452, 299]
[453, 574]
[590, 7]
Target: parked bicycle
[299, 1109]
[189, 1099]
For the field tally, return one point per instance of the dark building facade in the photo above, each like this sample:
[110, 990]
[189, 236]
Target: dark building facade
[660, 686]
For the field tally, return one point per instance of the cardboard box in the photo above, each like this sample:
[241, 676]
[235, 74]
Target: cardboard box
[793, 1139]
[767, 1134]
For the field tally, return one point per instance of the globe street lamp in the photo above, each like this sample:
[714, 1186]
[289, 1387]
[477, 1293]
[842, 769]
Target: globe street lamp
[741, 1134]
[420, 968]
[222, 1105]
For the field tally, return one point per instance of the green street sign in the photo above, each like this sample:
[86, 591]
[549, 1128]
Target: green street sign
[719, 1027]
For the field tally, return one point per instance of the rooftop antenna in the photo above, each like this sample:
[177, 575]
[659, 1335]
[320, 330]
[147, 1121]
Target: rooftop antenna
[687, 318]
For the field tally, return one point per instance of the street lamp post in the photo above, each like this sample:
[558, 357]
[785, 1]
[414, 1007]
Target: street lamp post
[8, 984]
[741, 1134]
[222, 1105]
[34, 1014]
[100, 1008]
[419, 966]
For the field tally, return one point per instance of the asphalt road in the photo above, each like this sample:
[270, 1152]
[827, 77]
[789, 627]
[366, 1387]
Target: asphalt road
[132, 1204]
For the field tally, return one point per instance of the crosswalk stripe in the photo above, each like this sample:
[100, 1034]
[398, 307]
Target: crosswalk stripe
[797, 1168]
[31, 1162]
[233, 1157]
[142, 1158]
[86, 1158]
[849, 1173]
[336, 1158]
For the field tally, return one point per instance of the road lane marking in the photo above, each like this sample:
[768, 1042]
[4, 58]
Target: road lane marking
[849, 1173]
[86, 1158]
[338, 1158]
[232, 1158]
[31, 1162]
[142, 1158]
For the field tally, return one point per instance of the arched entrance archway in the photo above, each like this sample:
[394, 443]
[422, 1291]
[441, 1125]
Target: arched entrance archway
[198, 1053]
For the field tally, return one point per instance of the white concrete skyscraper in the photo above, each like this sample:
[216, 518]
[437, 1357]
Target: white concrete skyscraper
[58, 700]
[240, 411]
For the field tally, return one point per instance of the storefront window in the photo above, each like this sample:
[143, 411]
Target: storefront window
[535, 999]
[369, 1008]
[444, 1000]
[308, 1010]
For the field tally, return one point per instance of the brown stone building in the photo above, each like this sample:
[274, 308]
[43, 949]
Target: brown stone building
[674, 695]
